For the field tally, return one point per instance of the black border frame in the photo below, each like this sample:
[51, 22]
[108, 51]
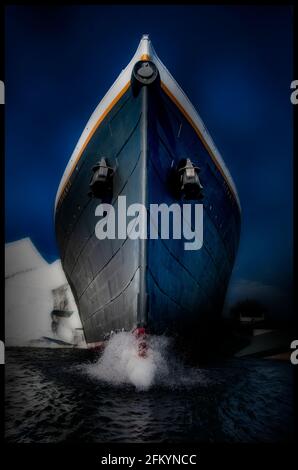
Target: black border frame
[37, 455]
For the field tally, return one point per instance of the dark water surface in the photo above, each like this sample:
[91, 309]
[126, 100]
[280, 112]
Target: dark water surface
[50, 397]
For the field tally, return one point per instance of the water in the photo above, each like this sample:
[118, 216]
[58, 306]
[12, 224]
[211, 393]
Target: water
[55, 395]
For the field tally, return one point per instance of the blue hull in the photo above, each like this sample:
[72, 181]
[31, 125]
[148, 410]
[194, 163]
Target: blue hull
[122, 284]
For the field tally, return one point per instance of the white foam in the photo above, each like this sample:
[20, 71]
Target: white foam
[120, 364]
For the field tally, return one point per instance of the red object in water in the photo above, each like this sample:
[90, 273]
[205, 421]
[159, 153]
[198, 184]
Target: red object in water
[140, 334]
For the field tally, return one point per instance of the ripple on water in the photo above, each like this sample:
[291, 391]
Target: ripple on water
[55, 395]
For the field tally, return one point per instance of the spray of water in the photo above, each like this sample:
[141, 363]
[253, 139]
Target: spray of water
[120, 364]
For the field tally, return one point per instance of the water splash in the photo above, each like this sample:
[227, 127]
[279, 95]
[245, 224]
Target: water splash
[120, 364]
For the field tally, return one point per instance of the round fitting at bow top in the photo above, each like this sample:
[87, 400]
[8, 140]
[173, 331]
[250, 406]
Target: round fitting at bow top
[145, 72]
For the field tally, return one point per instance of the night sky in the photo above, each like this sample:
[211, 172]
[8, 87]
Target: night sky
[235, 65]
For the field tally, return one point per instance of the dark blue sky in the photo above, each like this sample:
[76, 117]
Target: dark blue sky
[234, 63]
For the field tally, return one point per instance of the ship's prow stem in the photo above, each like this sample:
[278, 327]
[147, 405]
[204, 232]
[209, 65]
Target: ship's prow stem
[142, 298]
[145, 49]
